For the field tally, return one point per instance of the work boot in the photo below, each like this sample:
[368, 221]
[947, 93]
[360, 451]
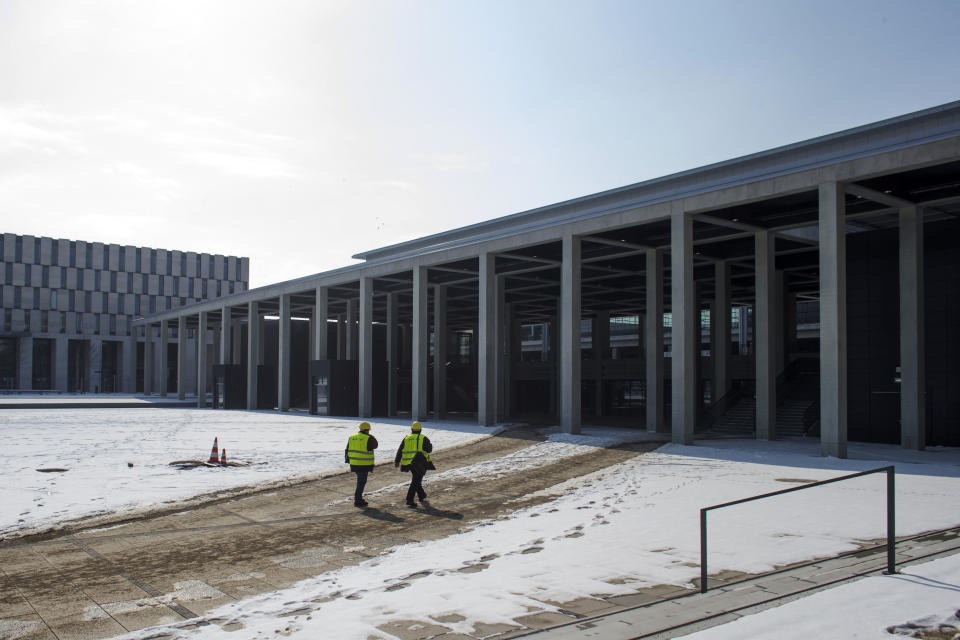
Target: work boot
[361, 503]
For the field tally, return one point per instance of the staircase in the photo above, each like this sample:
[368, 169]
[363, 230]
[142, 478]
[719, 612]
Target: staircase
[794, 397]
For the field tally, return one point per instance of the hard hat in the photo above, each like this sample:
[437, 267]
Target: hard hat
[364, 426]
[415, 426]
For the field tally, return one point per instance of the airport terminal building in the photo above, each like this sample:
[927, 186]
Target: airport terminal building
[812, 288]
[67, 309]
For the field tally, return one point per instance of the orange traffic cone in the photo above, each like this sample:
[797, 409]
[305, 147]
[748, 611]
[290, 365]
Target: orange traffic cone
[223, 457]
[214, 455]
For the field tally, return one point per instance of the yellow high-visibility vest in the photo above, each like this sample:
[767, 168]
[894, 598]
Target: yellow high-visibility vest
[412, 444]
[357, 452]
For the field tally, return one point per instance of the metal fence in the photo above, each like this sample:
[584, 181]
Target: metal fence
[891, 507]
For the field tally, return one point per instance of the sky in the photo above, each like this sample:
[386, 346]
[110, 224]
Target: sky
[299, 133]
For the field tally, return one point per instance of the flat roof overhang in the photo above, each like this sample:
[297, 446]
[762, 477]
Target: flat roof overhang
[911, 159]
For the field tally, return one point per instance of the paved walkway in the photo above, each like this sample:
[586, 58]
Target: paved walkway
[677, 614]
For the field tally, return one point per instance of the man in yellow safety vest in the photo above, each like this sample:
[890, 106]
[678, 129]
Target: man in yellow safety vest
[359, 455]
[414, 456]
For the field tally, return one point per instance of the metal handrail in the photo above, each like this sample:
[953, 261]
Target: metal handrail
[891, 508]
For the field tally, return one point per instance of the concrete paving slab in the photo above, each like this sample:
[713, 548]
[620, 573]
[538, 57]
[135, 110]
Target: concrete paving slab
[25, 627]
[84, 628]
[134, 618]
[493, 631]
[544, 619]
[413, 629]
[241, 584]
[111, 589]
[782, 584]
[584, 606]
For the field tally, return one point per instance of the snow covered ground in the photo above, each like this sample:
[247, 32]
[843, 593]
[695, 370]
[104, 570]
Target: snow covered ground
[96, 446]
[613, 531]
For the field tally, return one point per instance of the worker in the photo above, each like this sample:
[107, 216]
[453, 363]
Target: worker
[359, 455]
[413, 455]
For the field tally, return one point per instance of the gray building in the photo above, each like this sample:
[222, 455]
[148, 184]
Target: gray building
[68, 308]
[815, 284]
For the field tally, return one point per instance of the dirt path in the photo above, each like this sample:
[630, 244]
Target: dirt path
[96, 583]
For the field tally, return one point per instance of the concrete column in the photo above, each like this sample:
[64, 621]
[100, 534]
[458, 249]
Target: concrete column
[236, 349]
[686, 320]
[341, 337]
[202, 364]
[601, 342]
[226, 357]
[164, 357]
[653, 341]
[570, 335]
[779, 316]
[129, 373]
[253, 352]
[697, 338]
[393, 354]
[148, 375]
[312, 333]
[790, 322]
[509, 328]
[420, 347]
[322, 311]
[720, 318]
[95, 368]
[25, 364]
[743, 331]
[182, 357]
[365, 347]
[765, 344]
[552, 341]
[283, 355]
[912, 352]
[440, 352]
[487, 341]
[61, 362]
[215, 345]
[352, 338]
[833, 321]
[262, 343]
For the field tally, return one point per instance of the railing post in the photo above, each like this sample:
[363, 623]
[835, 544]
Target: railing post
[703, 550]
[891, 522]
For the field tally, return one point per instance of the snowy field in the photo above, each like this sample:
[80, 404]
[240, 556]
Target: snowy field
[621, 528]
[628, 526]
[96, 447]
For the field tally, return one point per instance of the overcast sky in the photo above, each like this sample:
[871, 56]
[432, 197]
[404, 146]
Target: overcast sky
[300, 133]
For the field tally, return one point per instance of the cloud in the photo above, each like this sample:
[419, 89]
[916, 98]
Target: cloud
[455, 162]
[245, 165]
[166, 189]
[33, 131]
[398, 185]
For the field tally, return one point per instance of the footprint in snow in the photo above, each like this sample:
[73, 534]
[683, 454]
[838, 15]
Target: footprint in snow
[532, 550]
[418, 574]
[473, 568]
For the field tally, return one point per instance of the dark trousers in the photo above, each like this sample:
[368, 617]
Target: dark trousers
[416, 486]
[361, 483]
